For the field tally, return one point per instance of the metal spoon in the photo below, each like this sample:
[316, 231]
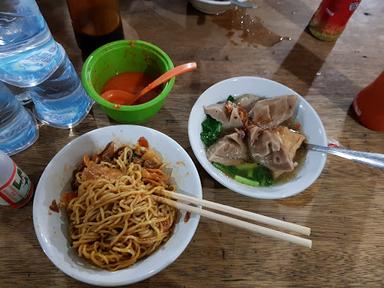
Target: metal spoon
[372, 159]
[244, 4]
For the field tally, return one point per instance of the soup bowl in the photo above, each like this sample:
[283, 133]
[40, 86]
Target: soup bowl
[311, 127]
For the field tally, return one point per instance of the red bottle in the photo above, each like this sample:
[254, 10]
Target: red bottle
[331, 17]
[369, 105]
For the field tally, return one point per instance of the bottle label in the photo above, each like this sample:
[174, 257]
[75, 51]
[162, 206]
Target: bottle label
[17, 188]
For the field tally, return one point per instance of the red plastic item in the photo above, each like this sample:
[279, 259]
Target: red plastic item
[331, 17]
[369, 105]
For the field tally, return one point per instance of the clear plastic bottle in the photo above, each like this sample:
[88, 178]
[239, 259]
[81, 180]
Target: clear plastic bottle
[16, 188]
[29, 57]
[61, 101]
[18, 128]
[21, 94]
[28, 53]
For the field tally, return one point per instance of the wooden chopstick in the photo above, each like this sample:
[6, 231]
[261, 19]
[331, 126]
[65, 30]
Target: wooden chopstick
[236, 222]
[240, 213]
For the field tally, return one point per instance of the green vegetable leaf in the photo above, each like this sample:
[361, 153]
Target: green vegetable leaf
[246, 181]
[229, 170]
[252, 174]
[211, 131]
[263, 175]
[231, 98]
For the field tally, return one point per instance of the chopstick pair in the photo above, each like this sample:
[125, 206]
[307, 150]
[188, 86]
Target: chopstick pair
[239, 213]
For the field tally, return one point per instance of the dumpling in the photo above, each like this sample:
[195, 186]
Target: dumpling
[229, 150]
[291, 141]
[274, 148]
[270, 113]
[282, 161]
[247, 101]
[279, 162]
[262, 142]
[220, 113]
[217, 112]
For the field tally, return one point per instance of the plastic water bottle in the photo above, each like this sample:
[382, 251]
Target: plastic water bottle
[16, 188]
[60, 101]
[29, 57]
[28, 53]
[21, 94]
[18, 128]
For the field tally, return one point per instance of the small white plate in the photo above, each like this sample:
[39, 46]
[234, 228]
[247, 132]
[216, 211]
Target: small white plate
[51, 228]
[311, 124]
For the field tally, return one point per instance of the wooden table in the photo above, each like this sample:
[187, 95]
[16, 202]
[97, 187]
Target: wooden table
[344, 207]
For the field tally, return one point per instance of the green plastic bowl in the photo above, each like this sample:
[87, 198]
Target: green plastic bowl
[126, 56]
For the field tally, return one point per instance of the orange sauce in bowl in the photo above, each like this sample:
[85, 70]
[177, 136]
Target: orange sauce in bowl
[132, 82]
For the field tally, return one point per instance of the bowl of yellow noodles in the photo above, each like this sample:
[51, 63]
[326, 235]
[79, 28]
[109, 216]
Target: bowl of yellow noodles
[99, 211]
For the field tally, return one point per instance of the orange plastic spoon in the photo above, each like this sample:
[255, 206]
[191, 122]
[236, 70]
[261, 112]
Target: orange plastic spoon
[127, 98]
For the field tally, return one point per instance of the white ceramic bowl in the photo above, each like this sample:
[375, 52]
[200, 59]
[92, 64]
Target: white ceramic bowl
[51, 228]
[211, 6]
[312, 128]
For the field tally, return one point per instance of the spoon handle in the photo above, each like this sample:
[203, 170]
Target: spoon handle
[181, 69]
[373, 159]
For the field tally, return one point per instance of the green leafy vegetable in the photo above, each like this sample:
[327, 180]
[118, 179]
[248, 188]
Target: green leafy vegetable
[229, 170]
[231, 98]
[246, 181]
[263, 175]
[211, 131]
[258, 175]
